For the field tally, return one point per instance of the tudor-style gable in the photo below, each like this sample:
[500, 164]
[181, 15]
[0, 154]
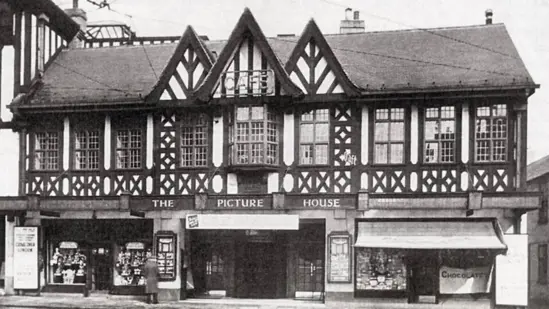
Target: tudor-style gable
[247, 66]
[185, 71]
[314, 67]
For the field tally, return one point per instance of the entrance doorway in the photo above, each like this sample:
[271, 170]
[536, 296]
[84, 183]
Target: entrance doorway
[101, 261]
[424, 278]
[259, 265]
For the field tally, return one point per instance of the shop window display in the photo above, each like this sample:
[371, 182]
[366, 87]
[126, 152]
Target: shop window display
[130, 260]
[68, 264]
[380, 269]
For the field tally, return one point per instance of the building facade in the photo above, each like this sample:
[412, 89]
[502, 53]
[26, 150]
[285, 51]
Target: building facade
[538, 232]
[370, 168]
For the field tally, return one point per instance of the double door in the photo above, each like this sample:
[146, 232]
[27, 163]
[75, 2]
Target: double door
[310, 271]
[101, 266]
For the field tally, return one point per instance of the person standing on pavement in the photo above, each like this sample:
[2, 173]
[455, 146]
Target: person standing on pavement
[150, 271]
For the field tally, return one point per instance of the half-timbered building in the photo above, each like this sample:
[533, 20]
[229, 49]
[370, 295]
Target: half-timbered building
[370, 168]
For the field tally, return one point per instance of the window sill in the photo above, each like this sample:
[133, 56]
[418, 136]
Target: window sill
[253, 167]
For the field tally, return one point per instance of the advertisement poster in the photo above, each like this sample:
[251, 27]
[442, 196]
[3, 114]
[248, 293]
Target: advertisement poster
[339, 267]
[464, 280]
[512, 272]
[25, 254]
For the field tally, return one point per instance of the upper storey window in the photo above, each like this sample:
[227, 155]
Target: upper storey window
[46, 151]
[440, 134]
[314, 133]
[389, 136]
[491, 133]
[129, 145]
[255, 136]
[194, 140]
[86, 150]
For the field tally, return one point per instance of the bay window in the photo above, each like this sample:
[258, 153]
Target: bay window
[440, 135]
[389, 136]
[255, 136]
[491, 133]
[314, 133]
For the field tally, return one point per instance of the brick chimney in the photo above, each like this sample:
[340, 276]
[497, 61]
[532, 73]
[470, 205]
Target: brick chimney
[354, 25]
[79, 16]
[488, 13]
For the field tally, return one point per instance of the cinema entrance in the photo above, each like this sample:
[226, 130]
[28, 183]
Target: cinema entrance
[258, 263]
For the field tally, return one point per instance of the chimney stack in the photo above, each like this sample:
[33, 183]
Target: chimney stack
[351, 23]
[80, 17]
[489, 15]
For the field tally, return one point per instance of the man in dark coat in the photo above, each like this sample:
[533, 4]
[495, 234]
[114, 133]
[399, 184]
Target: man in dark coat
[150, 271]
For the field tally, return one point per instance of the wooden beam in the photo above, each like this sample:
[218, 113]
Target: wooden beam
[27, 57]
[17, 55]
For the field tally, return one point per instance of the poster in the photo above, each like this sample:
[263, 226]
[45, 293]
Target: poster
[339, 259]
[165, 251]
[25, 241]
[512, 272]
[464, 280]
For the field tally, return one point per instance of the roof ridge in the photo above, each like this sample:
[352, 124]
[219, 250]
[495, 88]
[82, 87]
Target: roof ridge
[122, 46]
[415, 29]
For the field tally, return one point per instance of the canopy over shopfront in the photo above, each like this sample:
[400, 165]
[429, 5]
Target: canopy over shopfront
[430, 235]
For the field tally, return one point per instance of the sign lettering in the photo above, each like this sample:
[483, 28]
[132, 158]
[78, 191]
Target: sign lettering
[26, 254]
[249, 82]
[163, 203]
[321, 203]
[328, 202]
[464, 280]
[239, 202]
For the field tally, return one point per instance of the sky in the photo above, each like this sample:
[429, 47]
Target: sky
[527, 22]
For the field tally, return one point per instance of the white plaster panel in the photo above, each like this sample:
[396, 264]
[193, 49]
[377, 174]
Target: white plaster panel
[323, 88]
[288, 183]
[414, 136]
[465, 133]
[177, 90]
[149, 184]
[107, 154]
[364, 136]
[217, 136]
[272, 183]
[257, 57]
[196, 75]
[289, 136]
[217, 183]
[150, 141]
[66, 143]
[232, 184]
[297, 81]
[320, 66]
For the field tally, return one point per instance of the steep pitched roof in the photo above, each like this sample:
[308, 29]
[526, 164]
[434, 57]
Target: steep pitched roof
[107, 74]
[537, 168]
[185, 70]
[246, 24]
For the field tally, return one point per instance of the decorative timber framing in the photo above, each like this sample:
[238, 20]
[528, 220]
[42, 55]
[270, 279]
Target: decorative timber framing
[246, 27]
[313, 50]
[185, 71]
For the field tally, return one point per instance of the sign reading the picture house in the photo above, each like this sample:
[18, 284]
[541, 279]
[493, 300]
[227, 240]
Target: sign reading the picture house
[254, 82]
[309, 202]
[242, 202]
[26, 256]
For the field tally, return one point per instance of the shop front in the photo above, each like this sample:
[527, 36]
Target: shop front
[99, 255]
[426, 261]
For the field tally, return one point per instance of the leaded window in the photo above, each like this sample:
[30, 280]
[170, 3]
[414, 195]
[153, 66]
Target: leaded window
[491, 133]
[128, 148]
[86, 150]
[440, 134]
[194, 140]
[256, 139]
[314, 133]
[46, 151]
[389, 136]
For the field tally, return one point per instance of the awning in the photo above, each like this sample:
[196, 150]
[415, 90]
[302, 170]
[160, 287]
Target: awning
[430, 235]
[241, 222]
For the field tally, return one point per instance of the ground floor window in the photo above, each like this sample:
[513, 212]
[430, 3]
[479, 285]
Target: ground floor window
[68, 263]
[129, 263]
[380, 269]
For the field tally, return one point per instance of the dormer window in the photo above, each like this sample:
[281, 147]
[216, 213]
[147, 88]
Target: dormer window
[255, 136]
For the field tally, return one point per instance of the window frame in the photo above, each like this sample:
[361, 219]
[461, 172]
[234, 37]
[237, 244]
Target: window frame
[314, 122]
[233, 149]
[508, 133]
[58, 151]
[75, 150]
[423, 139]
[542, 264]
[128, 123]
[405, 138]
[183, 123]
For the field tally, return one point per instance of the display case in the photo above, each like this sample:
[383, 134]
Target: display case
[380, 270]
[67, 263]
[165, 243]
[129, 262]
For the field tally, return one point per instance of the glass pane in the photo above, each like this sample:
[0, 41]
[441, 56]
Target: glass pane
[482, 129]
[322, 115]
[483, 150]
[307, 116]
[322, 132]
[447, 112]
[381, 153]
[186, 156]
[242, 113]
[483, 111]
[447, 130]
[257, 133]
[241, 132]
[382, 114]
[272, 154]
[431, 130]
[397, 131]
[122, 139]
[321, 154]
[382, 131]
[431, 152]
[257, 112]
[242, 154]
[306, 154]
[306, 133]
[499, 151]
[431, 112]
[397, 113]
[272, 132]
[201, 156]
[397, 153]
[499, 128]
[257, 153]
[447, 152]
[500, 110]
[186, 136]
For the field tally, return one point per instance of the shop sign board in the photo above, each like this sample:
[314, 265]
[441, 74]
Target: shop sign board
[464, 280]
[339, 258]
[254, 82]
[26, 273]
[320, 202]
[162, 203]
[512, 272]
[239, 202]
